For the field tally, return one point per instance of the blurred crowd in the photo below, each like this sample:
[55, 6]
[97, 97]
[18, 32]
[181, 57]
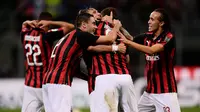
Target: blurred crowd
[134, 14]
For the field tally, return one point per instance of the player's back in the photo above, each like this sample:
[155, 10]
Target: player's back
[37, 51]
[65, 58]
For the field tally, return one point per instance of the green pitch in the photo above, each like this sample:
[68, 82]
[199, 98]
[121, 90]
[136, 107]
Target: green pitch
[194, 109]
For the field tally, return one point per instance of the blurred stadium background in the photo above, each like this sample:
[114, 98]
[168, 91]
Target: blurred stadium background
[185, 15]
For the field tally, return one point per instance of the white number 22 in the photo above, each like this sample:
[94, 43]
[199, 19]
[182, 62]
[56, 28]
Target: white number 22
[30, 52]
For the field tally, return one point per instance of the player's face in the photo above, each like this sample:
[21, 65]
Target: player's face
[91, 25]
[95, 13]
[154, 23]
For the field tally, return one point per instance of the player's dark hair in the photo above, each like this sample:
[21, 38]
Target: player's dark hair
[45, 16]
[82, 17]
[165, 18]
[107, 11]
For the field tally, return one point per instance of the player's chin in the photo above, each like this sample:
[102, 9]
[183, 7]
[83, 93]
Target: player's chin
[150, 29]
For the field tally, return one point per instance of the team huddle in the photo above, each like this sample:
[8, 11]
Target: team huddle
[98, 41]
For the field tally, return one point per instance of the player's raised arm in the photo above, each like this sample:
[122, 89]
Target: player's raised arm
[112, 35]
[67, 27]
[29, 23]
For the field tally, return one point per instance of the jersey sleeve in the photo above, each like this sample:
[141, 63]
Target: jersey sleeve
[86, 39]
[139, 38]
[54, 34]
[169, 41]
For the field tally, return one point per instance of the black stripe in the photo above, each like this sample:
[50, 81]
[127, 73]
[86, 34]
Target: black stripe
[159, 70]
[29, 78]
[99, 64]
[72, 64]
[154, 79]
[106, 63]
[113, 62]
[55, 59]
[167, 70]
[64, 57]
[46, 51]
[149, 77]
[121, 63]
[76, 65]
[93, 81]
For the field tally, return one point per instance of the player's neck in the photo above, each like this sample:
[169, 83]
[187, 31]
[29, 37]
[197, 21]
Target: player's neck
[157, 33]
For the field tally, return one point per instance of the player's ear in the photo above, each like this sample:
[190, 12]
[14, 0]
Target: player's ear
[162, 23]
[84, 24]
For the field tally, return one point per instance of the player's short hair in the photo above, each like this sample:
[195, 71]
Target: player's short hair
[45, 16]
[107, 11]
[165, 18]
[86, 10]
[82, 17]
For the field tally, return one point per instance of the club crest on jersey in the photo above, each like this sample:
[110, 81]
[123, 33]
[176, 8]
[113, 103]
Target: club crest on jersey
[32, 38]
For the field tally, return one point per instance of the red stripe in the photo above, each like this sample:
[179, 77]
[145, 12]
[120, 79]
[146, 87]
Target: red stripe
[171, 71]
[116, 58]
[60, 55]
[108, 58]
[102, 64]
[152, 74]
[148, 76]
[157, 79]
[124, 63]
[90, 84]
[99, 29]
[164, 72]
[32, 77]
[95, 63]
[65, 68]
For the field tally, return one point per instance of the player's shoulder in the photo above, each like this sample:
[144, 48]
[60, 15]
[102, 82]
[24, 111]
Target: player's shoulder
[170, 34]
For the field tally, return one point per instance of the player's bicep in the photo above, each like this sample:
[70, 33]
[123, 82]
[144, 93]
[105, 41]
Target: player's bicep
[85, 39]
[100, 48]
[157, 48]
[54, 34]
[139, 39]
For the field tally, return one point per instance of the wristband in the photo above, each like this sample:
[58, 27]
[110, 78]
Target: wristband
[114, 48]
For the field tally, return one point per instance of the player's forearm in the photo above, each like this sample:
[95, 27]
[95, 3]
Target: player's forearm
[142, 48]
[100, 48]
[126, 33]
[65, 25]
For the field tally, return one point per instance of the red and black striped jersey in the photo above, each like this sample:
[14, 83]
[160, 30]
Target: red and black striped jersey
[108, 62]
[37, 46]
[64, 61]
[159, 66]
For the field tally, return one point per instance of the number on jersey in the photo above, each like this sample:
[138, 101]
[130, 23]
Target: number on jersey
[31, 51]
[53, 54]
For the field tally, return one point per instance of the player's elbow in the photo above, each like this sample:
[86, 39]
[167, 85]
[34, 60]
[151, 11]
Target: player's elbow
[68, 27]
[90, 48]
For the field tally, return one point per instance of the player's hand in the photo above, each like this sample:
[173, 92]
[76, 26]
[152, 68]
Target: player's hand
[32, 24]
[117, 23]
[122, 48]
[122, 38]
[44, 23]
[107, 18]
